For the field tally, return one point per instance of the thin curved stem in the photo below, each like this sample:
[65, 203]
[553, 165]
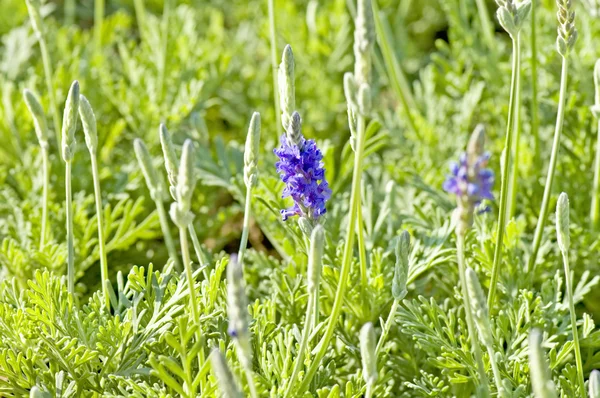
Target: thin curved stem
[251, 383]
[164, 225]
[504, 176]
[246, 226]
[164, 41]
[486, 23]
[101, 243]
[537, 240]
[362, 254]
[595, 212]
[534, 86]
[274, 66]
[48, 74]
[460, 247]
[517, 110]
[98, 22]
[46, 172]
[346, 259]
[70, 239]
[569, 287]
[387, 327]
[303, 345]
[496, 371]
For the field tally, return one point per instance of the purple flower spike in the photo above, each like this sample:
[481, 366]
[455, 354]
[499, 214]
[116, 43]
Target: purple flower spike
[470, 182]
[301, 169]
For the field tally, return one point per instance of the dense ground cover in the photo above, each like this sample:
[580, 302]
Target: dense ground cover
[383, 276]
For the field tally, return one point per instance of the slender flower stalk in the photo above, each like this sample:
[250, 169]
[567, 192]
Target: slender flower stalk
[541, 377]
[157, 195]
[567, 35]
[98, 22]
[368, 353]
[250, 177]
[513, 183]
[33, 7]
[69, 128]
[482, 321]
[398, 283]
[315, 264]
[182, 216]
[471, 182]
[511, 17]
[164, 41]
[595, 211]
[564, 242]
[486, 23]
[41, 130]
[172, 167]
[273, 40]
[359, 102]
[88, 121]
[237, 311]
[225, 379]
[535, 120]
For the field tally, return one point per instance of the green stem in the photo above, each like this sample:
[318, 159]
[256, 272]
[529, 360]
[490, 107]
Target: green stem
[274, 66]
[460, 246]
[70, 244]
[362, 254]
[251, 383]
[346, 260]
[486, 24]
[504, 176]
[398, 80]
[569, 287]
[496, 371]
[46, 171]
[98, 22]
[369, 392]
[595, 213]
[203, 260]
[515, 169]
[537, 240]
[70, 8]
[303, 345]
[387, 327]
[187, 264]
[140, 14]
[246, 226]
[48, 74]
[101, 244]
[164, 225]
[534, 87]
[162, 64]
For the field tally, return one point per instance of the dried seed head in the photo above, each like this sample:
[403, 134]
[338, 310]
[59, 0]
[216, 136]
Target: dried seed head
[364, 38]
[170, 156]
[402, 265]
[562, 222]
[479, 308]
[145, 161]
[39, 118]
[251, 152]
[567, 33]
[222, 373]
[541, 377]
[69, 125]
[594, 384]
[368, 352]
[186, 182]
[287, 90]
[88, 121]
[315, 259]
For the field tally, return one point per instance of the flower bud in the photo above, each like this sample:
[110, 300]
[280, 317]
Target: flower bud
[39, 118]
[294, 129]
[186, 182]
[287, 91]
[170, 156]
[69, 125]
[145, 161]
[402, 265]
[251, 152]
[368, 352]
[562, 222]
[364, 38]
[237, 311]
[364, 99]
[351, 91]
[88, 121]
[541, 378]
[594, 384]
[479, 308]
[225, 380]
[315, 258]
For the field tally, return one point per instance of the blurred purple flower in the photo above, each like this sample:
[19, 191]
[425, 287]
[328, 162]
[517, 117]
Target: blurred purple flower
[301, 169]
[470, 182]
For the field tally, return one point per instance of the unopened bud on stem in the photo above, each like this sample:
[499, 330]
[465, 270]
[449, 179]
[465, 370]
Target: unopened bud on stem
[88, 121]
[39, 118]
